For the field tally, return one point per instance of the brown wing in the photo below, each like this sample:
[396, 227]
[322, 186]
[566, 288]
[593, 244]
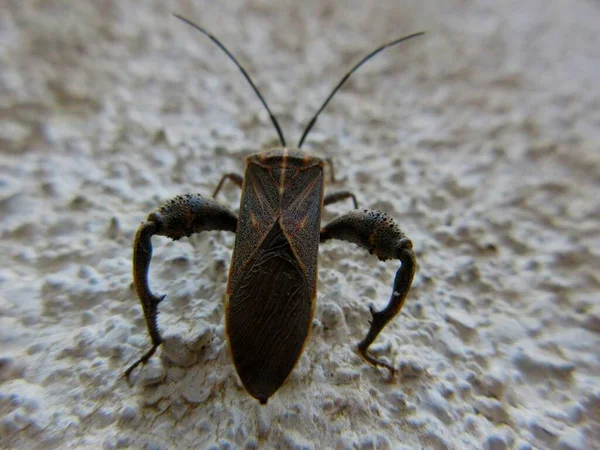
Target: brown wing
[289, 189]
[259, 210]
[301, 217]
[268, 316]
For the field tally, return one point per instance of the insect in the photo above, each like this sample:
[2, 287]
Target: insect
[272, 286]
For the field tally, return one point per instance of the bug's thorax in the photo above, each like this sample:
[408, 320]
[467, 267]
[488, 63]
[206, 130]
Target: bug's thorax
[285, 158]
[284, 165]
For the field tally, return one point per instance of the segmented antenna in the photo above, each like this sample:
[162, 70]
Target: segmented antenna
[222, 47]
[341, 83]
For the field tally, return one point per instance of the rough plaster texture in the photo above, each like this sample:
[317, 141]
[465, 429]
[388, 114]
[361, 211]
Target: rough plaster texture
[481, 139]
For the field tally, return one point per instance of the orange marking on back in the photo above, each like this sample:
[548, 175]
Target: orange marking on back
[282, 173]
[302, 223]
[307, 190]
[253, 220]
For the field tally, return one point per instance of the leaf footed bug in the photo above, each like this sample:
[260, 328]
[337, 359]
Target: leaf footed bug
[272, 286]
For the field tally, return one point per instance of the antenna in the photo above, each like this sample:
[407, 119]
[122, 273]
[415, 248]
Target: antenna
[222, 47]
[341, 83]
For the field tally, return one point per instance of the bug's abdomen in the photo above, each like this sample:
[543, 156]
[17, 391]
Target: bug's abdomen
[269, 316]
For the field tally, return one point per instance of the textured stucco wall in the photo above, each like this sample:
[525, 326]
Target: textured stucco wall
[481, 139]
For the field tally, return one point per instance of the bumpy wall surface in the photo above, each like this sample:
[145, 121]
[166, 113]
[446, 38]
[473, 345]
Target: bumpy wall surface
[481, 139]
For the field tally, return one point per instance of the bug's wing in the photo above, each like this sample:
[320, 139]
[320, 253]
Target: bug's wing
[259, 209]
[269, 316]
[272, 282]
[301, 205]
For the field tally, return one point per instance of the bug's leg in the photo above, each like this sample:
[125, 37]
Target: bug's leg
[182, 216]
[380, 235]
[329, 162]
[335, 197]
[236, 178]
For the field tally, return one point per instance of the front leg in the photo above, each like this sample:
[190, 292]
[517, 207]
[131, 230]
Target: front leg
[380, 235]
[236, 178]
[182, 216]
[338, 197]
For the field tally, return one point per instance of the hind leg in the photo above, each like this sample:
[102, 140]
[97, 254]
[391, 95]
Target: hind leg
[182, 216]
[379, 234]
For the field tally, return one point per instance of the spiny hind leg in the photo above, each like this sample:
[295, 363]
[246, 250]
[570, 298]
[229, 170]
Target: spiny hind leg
[182, 216]
[380, 235]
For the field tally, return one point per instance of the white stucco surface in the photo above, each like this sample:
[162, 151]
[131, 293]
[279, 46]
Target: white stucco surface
[481, 139]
